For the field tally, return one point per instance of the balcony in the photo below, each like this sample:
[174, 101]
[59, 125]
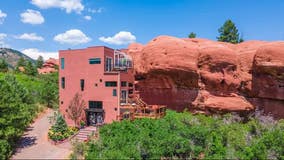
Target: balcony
[122, 61]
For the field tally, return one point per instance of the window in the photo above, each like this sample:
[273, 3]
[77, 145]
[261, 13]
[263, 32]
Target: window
[114, 92]
[110, 83]
[82, 84]
[63, 82]
[62, 63]
[108, 64]
[130, 91]
[94, 61]
[130, 84]
[123, 84]
[96, 104]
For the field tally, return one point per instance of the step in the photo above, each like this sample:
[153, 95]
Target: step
[86, 131]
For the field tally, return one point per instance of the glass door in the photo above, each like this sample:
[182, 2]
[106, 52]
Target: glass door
[123, 98]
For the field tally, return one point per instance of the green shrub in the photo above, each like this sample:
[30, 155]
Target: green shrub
[20, 101]
[60, 131]
[183, 135]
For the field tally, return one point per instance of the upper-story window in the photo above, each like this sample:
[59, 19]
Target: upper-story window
[82, 84]
[122, 61]
[110, 83]
[62, 82]
[123, 84]
[114, 92]
[94, 61]
[62, 63]
[108, 64]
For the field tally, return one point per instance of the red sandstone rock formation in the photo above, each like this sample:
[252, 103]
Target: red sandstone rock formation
[204, 75]
[49, 66]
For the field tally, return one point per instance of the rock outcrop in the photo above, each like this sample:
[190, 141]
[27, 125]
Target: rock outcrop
[208, 76]
[49, 66]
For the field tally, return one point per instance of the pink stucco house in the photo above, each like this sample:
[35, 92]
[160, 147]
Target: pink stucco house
[103, 76]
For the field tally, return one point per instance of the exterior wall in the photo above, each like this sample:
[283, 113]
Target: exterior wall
[77, 67]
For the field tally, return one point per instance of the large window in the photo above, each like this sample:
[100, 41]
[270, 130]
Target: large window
[96, 104]
[108, 64]
[82, 84]
[110, 83]
[62, 63]
[94, 61]
[63, 82]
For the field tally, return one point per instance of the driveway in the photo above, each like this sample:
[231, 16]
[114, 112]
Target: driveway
[34, 143]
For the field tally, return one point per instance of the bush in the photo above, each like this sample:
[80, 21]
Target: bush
[20, 101]
[17, 110]
[183, 135]
[60, 131]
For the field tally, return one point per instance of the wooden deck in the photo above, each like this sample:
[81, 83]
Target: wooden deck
[132, 112]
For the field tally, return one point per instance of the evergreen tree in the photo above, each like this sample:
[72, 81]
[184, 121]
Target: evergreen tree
[3, 65]
[192, 35]
[49, 93]
[39, 62]
[30, 69]
[16, 112]
[21, 63]
[60, 124]
[229, 33]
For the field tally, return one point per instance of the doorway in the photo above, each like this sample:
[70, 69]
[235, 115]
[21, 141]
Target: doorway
[123, 98]
[94, 117]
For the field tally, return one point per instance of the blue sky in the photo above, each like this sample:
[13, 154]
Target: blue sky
[42, 27]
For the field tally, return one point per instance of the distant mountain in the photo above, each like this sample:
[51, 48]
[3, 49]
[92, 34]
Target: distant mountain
[12, 56]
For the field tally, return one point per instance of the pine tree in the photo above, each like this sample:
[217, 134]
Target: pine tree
[192, 35]
[39, 62]
[3, 65]
[21, 63]
[30, 69]
[229, 33]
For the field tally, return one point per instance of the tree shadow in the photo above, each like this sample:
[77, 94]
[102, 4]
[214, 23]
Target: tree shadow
[27, 142]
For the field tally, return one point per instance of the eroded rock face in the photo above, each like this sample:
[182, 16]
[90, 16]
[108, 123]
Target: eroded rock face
[207, 76]
[268, 71]
[49, 66]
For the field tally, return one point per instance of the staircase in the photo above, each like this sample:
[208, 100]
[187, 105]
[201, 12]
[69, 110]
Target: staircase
[84, 134]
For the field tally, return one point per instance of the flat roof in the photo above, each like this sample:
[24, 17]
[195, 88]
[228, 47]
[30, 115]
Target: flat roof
[69, 49]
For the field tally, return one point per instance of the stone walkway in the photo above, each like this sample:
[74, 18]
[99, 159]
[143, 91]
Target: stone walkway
[34, 143]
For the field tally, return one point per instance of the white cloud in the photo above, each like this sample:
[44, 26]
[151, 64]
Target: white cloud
[30, 37]
[32, 17]
[2, 43]
[120, 38]
[100, 10]
[67, 5]
[2, 17]
[3, 36]
[73, 36]
[34, 53]
[88, 18]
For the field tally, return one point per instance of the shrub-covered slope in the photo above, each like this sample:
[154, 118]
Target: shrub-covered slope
[183, 135]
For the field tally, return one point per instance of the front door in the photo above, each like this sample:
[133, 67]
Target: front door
[92, 118]
[95, 118]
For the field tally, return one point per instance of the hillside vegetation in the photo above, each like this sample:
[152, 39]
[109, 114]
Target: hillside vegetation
[12, 56]
[183, 135]
[21, 98]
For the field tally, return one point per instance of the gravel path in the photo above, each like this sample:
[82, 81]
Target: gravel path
[34, 143]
